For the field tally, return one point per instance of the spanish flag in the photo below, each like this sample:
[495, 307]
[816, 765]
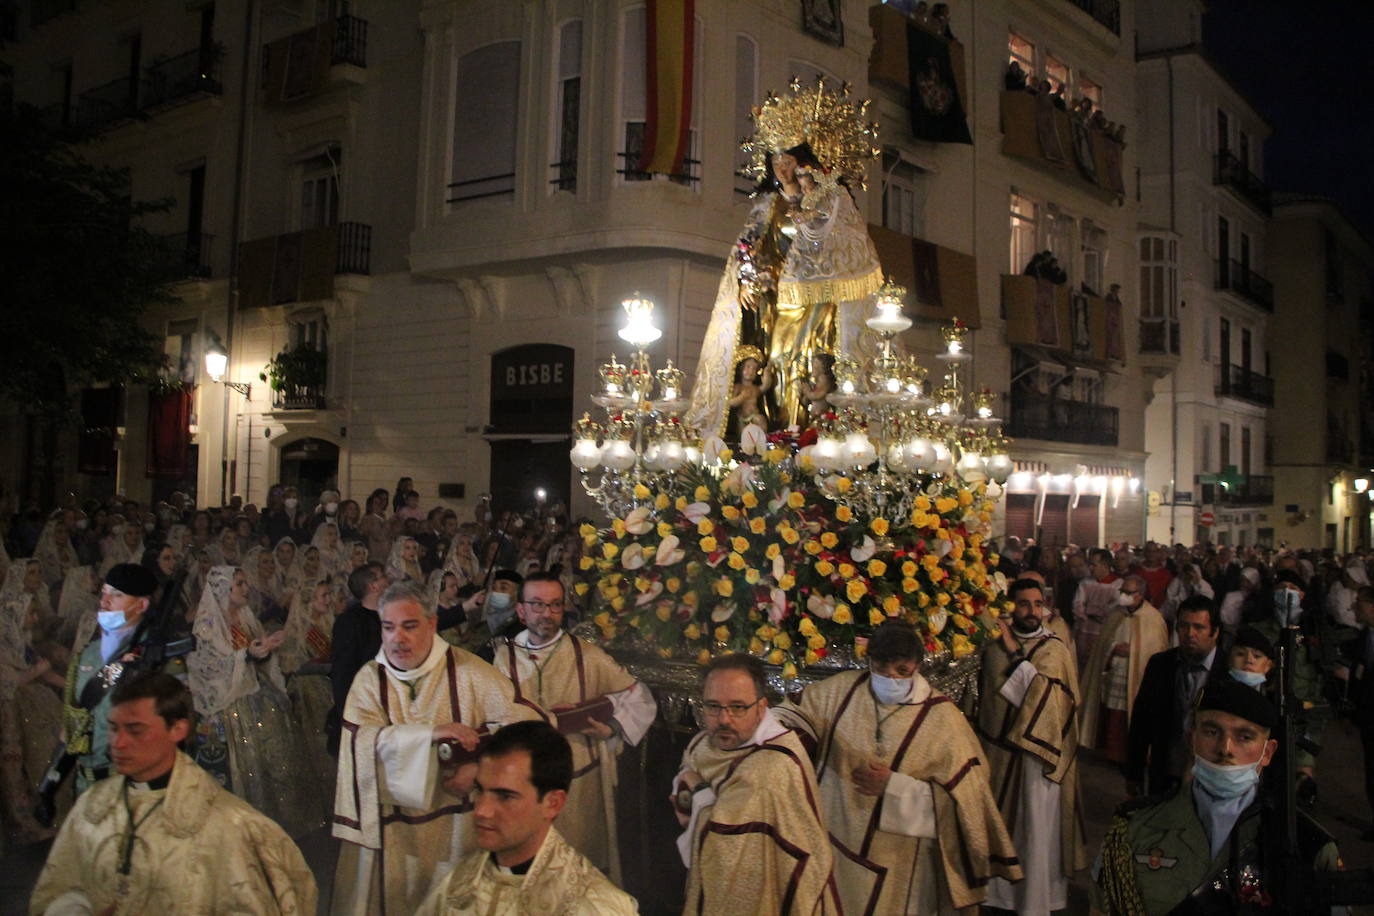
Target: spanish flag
[668, 91]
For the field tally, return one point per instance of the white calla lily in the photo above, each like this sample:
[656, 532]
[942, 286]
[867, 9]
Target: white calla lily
[632, 557]
[668, 551]
[639, 521]
[821, 606]
[695, 512]
[711, 449]
[655, 589]
[777, 610]
[937, 620]
[753, 440]
[722, 612]
[864, 550]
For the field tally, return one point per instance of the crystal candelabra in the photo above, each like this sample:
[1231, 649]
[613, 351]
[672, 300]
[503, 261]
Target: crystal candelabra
[642, 443]
[888, 439]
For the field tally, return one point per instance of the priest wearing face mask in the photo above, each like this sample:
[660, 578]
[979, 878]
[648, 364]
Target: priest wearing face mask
[1133, 632]
[904, 786]
[118, 645]
[1205, 840]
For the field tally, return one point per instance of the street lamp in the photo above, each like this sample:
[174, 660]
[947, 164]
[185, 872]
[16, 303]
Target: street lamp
[216, 361]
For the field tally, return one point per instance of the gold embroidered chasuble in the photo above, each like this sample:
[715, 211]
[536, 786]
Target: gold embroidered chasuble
[402, 833]
[927, 739]
[560, 882]
[762, 847]
[202, 850]
[1042, 733]
[573, 671]
[1147, 634]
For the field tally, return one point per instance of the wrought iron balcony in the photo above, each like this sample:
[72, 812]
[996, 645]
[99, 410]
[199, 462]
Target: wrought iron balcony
[1251, 490]
[355, 249]
[1159, 336]
[1240, 279]
[116, 101]
[1231, 173]
[184, 77]
[1106, 12]
[1059, 420]
[350, 41]
[1238, 382]
[298, 397]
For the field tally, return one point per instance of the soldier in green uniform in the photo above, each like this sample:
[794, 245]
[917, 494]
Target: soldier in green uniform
[1204, 845]
[1288, 604]
[118, 643]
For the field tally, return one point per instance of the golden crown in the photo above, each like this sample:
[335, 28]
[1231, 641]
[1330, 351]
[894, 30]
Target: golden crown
[749, 352]
[824, 119]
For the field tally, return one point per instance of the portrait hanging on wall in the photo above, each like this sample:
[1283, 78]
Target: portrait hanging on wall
[821, 19]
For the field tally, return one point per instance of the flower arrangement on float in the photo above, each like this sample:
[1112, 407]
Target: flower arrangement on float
[760, 560]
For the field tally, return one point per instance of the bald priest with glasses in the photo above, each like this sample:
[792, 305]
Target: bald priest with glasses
[600, 708]
[755, 841]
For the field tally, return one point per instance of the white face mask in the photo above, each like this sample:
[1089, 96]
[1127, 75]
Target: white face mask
[331, 508]
[110, 620]
[1249, 678]
[890, 690]
[1222, 781]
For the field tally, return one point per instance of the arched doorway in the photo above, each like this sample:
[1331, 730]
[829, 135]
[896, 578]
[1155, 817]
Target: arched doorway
[311, 466]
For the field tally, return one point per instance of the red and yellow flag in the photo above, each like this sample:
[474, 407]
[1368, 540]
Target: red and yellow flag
[668, 90]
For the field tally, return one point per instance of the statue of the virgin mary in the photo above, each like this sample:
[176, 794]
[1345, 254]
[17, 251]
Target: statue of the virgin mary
[798, 279]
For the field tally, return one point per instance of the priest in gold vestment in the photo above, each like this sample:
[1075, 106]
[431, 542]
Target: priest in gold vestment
[1028, 720]
[755, 839]
[162, 837]
[405, 823]
[1133, 632]
[556, 670]
[904, 787]
[522, 865]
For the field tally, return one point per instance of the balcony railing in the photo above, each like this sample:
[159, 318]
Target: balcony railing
[180, 78]
[1238, 382]
[1244, 282]
[102, 106]
[689, 175]
[355, 249]
[188, 254]
[565, 175]
[1106, 12]
[1252, 490]
[1058, 420]
[1339, 449]
[298, 397]
[1234, 174]
[350, 41]
[1159, 336]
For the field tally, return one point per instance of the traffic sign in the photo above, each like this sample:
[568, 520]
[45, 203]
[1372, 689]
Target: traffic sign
[1206, 519]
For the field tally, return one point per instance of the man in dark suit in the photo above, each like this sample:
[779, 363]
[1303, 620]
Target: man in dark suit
[357, 637]
[1357, 671]
[1157, 751]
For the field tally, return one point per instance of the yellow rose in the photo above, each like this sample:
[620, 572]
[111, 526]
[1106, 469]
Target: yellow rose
[843, 484]
[824, 567]
[701, 494]
[790, 535]
[789, 672]
[739, 544]
[692, 631]
[755, 646]
[689, 599]
[617, 604]
[813, 547]
[922, 503]
[586, 563]
[960, 646]
[843, 615]
[847, 570]
[784, 642]
[703, 657]
[876, 568]
[773, 552]
[726, 455]
[942, 598]
[860, 648]
[961, 621]
[829, 539]
[724, 587]
[642, 584]
[908, 568]
[758, 525]
[930, 561]
[751, 575]
[634, 621]
[892, 606]
[580, 588]
[794, 500]
[787, 582]
[816, 640]
[965, 498]
[641, 491]
[937, 574]
[705, 527]
[587, 530]
[661, 501]
[730, 512]
[673, 584]
[843, 514]
[945, 504]
[736, 561]
[708, 544]
[609, 551]
[602, 620]
[806, 627]
[922, 599]
[774, 455]
[875, 617]
[618, 527]
[663, 612]
[811, 659]
[749, 500]
[680, 504]
[879, 526]
[664, 529]
[855, 589]
[775, 657]
[722, 633]
[910, 585]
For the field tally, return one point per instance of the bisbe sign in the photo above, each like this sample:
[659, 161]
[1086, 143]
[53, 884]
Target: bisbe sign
[531, 388]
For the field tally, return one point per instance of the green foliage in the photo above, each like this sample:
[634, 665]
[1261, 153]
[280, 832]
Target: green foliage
[77, 274]
[296, 367]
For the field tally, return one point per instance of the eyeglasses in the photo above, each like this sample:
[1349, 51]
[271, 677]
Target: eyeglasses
[734, 710]
[544, 605]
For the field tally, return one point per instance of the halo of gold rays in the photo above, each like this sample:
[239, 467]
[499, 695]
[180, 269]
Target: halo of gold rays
[825, 119]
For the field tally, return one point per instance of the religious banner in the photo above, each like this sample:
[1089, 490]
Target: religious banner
[937, 111]
[169, 435]
[669, 50]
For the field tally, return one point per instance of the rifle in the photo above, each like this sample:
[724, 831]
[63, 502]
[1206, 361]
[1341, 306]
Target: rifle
[151, 636]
